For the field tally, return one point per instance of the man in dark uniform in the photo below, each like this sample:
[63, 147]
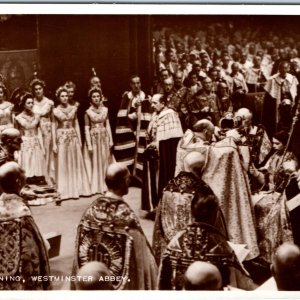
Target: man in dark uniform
[171, 96]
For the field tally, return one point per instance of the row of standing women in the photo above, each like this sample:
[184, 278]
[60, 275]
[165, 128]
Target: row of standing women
[51, 140]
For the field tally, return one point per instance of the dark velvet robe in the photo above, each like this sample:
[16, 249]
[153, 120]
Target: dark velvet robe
[23, 253]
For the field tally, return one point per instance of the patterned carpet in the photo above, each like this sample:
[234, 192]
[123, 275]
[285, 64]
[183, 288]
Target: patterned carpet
[64, 220]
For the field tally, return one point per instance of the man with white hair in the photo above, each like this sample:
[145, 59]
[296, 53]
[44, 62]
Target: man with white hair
[197, 139]
[95, 82]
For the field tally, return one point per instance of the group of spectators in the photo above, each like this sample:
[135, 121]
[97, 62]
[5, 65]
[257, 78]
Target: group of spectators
[214, 149]
[217, 69]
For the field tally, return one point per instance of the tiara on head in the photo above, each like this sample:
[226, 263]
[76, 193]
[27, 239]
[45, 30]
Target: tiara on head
[36, 81]
[70, 84]
[60, 90]
[93, 90]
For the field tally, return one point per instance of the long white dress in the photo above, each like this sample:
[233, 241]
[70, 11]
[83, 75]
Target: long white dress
[98, 133]
[31, 156]
[71, 176]
[44, 108]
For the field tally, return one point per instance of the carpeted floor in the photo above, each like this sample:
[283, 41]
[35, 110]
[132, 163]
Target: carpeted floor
[64, 220]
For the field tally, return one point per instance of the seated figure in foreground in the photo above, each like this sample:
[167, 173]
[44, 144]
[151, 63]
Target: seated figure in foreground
[10, 143]
[22, 249]
[271, 212]
[286, 267]
[201, 275]
[110, 232]
[201, 241]
[174, 210]
[97, 271]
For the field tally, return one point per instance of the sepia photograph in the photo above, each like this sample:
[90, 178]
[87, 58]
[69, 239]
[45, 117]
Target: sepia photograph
[150, 151]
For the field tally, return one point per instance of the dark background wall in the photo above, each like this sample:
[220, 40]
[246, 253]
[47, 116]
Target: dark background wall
[69, 46]
[116, 46]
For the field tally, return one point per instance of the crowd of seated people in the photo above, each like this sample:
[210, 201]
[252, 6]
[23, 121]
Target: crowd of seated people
[222, 66]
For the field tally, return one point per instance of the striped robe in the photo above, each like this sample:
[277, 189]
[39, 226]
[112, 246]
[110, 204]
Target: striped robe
[130, 138]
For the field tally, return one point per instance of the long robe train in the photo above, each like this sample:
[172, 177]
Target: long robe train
[23, 253]
[110, 232]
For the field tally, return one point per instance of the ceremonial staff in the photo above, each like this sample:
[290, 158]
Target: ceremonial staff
[138, 129]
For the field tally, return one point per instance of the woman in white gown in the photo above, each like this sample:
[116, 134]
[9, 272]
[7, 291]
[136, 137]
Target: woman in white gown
[43, 107]
[71, 88]
[32, 154]
[98, 141]
[71, 176]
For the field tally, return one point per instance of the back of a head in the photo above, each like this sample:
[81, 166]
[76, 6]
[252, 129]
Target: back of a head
[115, 175]
[194, 162]
[11, 177]
[157, 97]
[179, 74]
[282, 136]
[203, 124]
[244, 113]
[94, 273]
[286, 267]
[8, 134]
[205, 206]
[201, 275]
[169, 80]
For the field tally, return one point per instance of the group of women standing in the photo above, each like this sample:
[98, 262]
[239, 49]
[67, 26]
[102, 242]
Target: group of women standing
[51, 140]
